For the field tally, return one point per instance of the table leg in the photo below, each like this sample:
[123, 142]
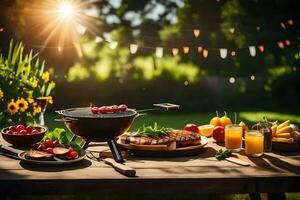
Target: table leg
[254, 196]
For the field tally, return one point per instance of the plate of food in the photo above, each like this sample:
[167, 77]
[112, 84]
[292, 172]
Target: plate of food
[55, 149]
[160, 141]
[286, 137]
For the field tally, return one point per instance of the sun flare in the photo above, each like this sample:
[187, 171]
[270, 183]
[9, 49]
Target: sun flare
[61, 22]
[66, 9]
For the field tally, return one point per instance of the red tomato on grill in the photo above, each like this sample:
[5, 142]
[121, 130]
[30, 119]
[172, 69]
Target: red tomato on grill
[122, 107]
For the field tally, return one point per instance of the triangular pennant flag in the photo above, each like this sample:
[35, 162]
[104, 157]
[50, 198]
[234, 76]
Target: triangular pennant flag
[231, 30]
[280, 44]
[196, 32]
[205, 53]
[133, 48]
[186, 50]
[99, 39]
[200, 49]
[252, 50]
[159, 52]
[223, 53]
[290, 22]
[175, 51]
[261, 48]
[282, 25]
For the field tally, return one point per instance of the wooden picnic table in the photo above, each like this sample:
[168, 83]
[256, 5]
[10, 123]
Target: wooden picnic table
[193, 175]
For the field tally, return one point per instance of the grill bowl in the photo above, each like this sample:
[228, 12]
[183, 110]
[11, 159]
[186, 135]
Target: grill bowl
[97, 127]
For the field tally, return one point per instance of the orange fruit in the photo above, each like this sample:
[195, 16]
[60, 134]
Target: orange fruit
[206, 130]
[225, 121]
[215, 121]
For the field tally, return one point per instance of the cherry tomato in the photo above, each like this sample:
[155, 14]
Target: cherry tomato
[192, 128]
[103, 109]
[74, 155]
[41, 147]
[114, 108]
[94, 110]
[48, 143]
[122, 107]
[49, 150]
[9, 132]
[29, 129]
[12, 128]
[20, 127]
[23, 132]
[70, 150]
[34, 132]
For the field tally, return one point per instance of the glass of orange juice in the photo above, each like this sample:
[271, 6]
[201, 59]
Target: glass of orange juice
[254, 143]
[233, 137]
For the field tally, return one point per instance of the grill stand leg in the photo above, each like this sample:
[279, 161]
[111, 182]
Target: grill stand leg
[114, 148]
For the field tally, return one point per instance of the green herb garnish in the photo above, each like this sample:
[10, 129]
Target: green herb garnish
[154, 131]
[64, 138]
[222, 155]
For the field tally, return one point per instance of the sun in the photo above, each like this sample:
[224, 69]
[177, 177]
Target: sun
[66, 9]
[61, 22]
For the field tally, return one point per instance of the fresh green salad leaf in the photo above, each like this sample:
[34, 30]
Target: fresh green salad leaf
[61, 135]
[222, 155]
[151, 131]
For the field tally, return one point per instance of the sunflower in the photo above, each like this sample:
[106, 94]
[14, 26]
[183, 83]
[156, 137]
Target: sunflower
[30, 100]
[12, 107]
[49, 100]
[22, 104]
[46, 77]
[1, 94]
[36, 110]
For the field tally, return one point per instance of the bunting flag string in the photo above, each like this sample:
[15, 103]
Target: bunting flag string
[201, 49]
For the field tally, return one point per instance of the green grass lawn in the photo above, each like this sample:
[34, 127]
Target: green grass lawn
[178, 120]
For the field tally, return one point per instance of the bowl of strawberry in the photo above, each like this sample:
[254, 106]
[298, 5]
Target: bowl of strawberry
[21, 135]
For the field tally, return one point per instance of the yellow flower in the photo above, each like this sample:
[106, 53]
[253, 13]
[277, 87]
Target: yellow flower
[30, 100]
[12, 107]
[1, 94]
[22, 104]
[49, 100]
[46, 76]
[34, 83]
[36, 110]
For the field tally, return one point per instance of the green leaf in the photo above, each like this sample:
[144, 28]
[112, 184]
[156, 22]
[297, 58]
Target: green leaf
[50, 88]
[76, 147]
[42, 68]
[63, 138]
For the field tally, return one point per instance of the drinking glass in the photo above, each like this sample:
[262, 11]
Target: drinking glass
[233, 137]
[254, 143]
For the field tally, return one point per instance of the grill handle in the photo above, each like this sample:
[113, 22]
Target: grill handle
[66, 119]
